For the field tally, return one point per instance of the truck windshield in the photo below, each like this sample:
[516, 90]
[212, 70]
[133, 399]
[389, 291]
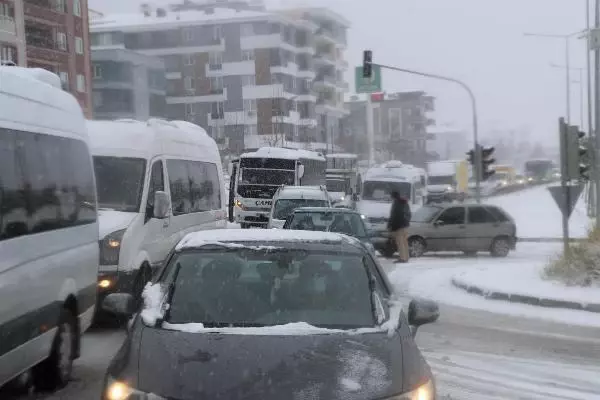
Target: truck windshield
[441, 180]
[260, 176]
[337, 185]
[119, 182]
[381, 191]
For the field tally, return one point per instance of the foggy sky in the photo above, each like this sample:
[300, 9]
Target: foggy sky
[478, 41]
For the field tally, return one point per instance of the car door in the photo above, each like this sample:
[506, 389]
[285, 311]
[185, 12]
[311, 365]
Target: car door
[156, 230]
[481, 229]
[448, 230]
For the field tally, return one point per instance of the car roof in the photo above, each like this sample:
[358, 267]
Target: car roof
[260, 236]
[465, 204]
[326, 209]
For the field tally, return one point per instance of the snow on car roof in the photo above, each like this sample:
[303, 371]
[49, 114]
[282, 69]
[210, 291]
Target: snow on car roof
[218, 236]
[280, 152]
[326, 209]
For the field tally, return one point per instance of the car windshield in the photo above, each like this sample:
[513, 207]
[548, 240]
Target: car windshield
[265, 287]
[119, 182]
[440, 180]
[341, 222]
[381, 191]
[425, 213]
[284, 207]
[336, 185]
[259, 176]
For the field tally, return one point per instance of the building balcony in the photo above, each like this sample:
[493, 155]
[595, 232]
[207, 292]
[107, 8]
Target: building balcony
[44, 10]
[324, 59]
[7, 24]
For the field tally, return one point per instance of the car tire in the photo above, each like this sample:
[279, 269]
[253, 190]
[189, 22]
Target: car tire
[500, 247]
[55, 371]
[416, 247]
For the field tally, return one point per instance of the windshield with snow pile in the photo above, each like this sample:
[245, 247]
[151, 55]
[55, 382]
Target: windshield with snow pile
[284, 207]
[244, 287]
[382, 191]
[119, 181]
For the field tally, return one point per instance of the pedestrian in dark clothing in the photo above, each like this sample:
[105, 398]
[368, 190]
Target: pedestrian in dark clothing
[398, 224]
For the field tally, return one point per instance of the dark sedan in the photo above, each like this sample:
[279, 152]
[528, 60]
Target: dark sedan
[327, 219]
[281, 314]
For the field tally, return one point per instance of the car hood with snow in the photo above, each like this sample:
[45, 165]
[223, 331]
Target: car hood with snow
[374, 209]
[268, 363]
[110, 221]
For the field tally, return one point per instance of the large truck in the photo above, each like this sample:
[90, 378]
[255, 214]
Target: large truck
[343, 177]
[447, 180]
[256, 176]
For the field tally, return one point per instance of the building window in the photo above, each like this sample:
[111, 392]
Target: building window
[77, 7]
[61, 40]
[7, 53]
[189, 109]
[247, 30]
[217, 110]
[188, 34]
[78, 45]
[250, 107]
[248, 80]
[97, 72]
[217, 33]
[64, 80]
[216, 84]
[395, 121]
[247, 55]
[80, 83]
[59, 5]
[218, 132]
[215, 60]
[188, 59]
[97, 99]
[250, 130]
[188, 83]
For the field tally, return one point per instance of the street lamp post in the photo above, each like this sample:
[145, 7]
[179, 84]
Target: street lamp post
[581, 84]
[566, 38]
[478, 158]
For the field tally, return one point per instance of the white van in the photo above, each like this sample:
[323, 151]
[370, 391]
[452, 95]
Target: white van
[156, 181]
[48, 228]
[287, 198]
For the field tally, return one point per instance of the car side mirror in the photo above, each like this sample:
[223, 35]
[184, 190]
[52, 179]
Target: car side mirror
[300, 171]
[162, 204]
[422, 312]
[119, 303]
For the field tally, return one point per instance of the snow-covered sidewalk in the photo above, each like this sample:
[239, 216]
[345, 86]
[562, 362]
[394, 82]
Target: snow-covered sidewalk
[524, 284]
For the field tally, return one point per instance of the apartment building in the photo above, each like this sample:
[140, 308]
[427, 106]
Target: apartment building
[400, 124]
[52, 34]
[240, 71]
[330, 65]
[12, 32]
[126, 84]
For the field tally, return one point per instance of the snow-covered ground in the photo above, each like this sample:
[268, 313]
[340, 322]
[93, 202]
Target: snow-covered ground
[524, 279]
[538, 216]
[430, 277]
[485, 376]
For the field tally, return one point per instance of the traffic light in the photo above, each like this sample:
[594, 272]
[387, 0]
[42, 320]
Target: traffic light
[576, 157]
[486, 162]
[367, 60]
[471, 157]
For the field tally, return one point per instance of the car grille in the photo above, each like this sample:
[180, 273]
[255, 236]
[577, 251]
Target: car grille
[259, 218]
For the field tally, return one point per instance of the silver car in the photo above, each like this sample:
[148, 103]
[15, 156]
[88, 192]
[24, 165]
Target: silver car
[462, 227]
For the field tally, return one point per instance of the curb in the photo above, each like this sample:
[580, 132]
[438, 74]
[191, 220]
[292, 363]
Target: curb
[523, 299]
[548, 240]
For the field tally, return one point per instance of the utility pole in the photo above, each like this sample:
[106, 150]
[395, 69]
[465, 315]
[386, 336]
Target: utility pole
[596, 156]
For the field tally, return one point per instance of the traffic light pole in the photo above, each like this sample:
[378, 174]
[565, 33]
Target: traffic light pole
[478, 157]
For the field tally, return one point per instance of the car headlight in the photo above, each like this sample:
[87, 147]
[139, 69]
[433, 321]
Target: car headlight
[240, 205]
[423, 392]
[110, 247]
[117, 390]
[449, 188]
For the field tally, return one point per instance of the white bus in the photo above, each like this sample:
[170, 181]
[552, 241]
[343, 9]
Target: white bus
[48, 229]
[256, 176]
[136, 163]
[378, 184]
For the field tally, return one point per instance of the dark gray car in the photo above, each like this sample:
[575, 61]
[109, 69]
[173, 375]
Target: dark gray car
[279, 314]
